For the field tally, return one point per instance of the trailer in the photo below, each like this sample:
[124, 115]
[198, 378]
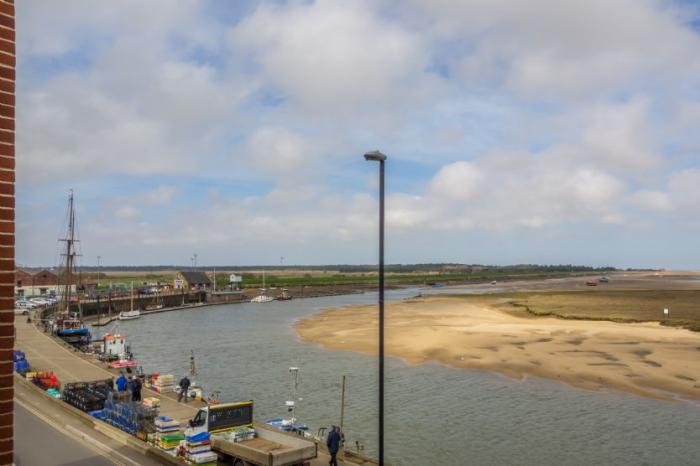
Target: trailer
[269, 447]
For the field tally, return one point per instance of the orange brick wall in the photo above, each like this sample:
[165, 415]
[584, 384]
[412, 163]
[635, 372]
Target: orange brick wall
[7, 223]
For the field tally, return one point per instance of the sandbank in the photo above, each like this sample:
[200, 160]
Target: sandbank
[643, 358]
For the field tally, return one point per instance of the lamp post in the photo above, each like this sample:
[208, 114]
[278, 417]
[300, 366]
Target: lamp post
[376, 156]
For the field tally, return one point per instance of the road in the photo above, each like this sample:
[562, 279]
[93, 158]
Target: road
[34, 436]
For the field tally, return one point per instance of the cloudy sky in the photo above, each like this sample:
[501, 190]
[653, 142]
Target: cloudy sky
[545, 131]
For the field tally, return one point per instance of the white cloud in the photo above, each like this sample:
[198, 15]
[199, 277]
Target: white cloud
[279, 152]
[160, 196]
[331, 57]
[127, 213]
[658, 201]
[458, 181]
[567, 48]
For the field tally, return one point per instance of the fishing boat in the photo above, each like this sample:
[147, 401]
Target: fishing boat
[69, 326]
[284, 296]
[291, 424]
[132, 313]
[262, 297]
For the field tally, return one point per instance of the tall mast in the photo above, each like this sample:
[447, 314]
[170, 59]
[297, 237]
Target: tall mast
[70, 253]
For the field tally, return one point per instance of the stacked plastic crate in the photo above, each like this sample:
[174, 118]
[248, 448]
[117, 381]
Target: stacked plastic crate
[21, 365]
[167, 436]
[198, 449]
[164, 383]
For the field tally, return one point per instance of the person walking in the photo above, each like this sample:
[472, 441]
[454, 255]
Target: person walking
[136, 390]
[121, 383]
[184, 388]
[333, 444]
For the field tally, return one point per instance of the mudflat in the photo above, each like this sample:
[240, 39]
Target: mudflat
[477, 333]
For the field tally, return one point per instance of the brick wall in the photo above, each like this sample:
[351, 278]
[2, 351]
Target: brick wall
[7, 223]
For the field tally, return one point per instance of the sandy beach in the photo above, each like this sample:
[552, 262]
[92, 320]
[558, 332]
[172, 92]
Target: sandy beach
[644, 358]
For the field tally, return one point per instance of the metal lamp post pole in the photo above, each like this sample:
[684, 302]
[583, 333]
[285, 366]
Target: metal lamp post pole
[381, 158]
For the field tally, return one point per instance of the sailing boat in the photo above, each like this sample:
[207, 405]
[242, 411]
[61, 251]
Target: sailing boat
[262, 297]
[67, 326]
[131, 314]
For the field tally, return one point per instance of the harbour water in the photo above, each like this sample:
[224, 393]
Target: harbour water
[435, 415]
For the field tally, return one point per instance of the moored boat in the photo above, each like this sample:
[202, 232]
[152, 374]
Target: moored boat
[262, 297]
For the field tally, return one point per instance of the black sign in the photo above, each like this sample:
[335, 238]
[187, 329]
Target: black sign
[230, 415]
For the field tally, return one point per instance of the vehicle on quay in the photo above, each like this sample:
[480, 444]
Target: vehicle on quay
[41, 301]
[25, 304]
[236, 438]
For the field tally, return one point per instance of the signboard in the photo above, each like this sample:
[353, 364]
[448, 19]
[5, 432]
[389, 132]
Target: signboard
[235, 278]
[179, 284]
[230, 415]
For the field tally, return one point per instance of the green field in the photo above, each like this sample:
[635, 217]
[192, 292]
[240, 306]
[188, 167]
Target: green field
[370, 279]
[328, 278]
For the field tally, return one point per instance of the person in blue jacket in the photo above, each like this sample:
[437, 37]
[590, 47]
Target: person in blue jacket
[121, 383]
[333, 444]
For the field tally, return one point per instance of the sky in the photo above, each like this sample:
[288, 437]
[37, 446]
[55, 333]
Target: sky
[546, 131]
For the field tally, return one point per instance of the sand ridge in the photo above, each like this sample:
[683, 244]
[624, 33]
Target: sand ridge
[644, 358]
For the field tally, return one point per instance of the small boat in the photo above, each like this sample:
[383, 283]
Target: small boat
[122, 363]
[155, 306]
[129, 315]
[284, 296]
[132, 313]
[291, 424]
[262, 297]
[71, 328]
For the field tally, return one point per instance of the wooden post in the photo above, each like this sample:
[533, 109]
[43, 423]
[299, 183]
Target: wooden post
[342, 405]
[342, 418]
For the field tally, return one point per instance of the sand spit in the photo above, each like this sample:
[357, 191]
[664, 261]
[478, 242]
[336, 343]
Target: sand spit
[646, 359]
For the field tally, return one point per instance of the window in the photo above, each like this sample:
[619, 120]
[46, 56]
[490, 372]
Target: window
[199, 419]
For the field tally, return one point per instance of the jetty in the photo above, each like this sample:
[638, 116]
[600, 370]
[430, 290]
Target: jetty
[71, 365]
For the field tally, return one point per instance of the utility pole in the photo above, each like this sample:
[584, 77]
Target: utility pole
[98, 271]
[195, 261]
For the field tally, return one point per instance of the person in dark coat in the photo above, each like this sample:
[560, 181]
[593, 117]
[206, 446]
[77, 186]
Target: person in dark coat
[136, 390]
[184, 388]
[333, 444]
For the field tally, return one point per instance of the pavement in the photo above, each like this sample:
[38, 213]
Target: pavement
[30, 431]
[48, 434]
[69, 365]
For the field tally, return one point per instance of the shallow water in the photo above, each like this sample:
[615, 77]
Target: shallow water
[435, 414]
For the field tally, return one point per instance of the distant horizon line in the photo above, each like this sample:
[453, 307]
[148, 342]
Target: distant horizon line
[424, 265]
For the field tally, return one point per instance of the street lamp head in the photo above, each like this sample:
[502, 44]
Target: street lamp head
[375, 156]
